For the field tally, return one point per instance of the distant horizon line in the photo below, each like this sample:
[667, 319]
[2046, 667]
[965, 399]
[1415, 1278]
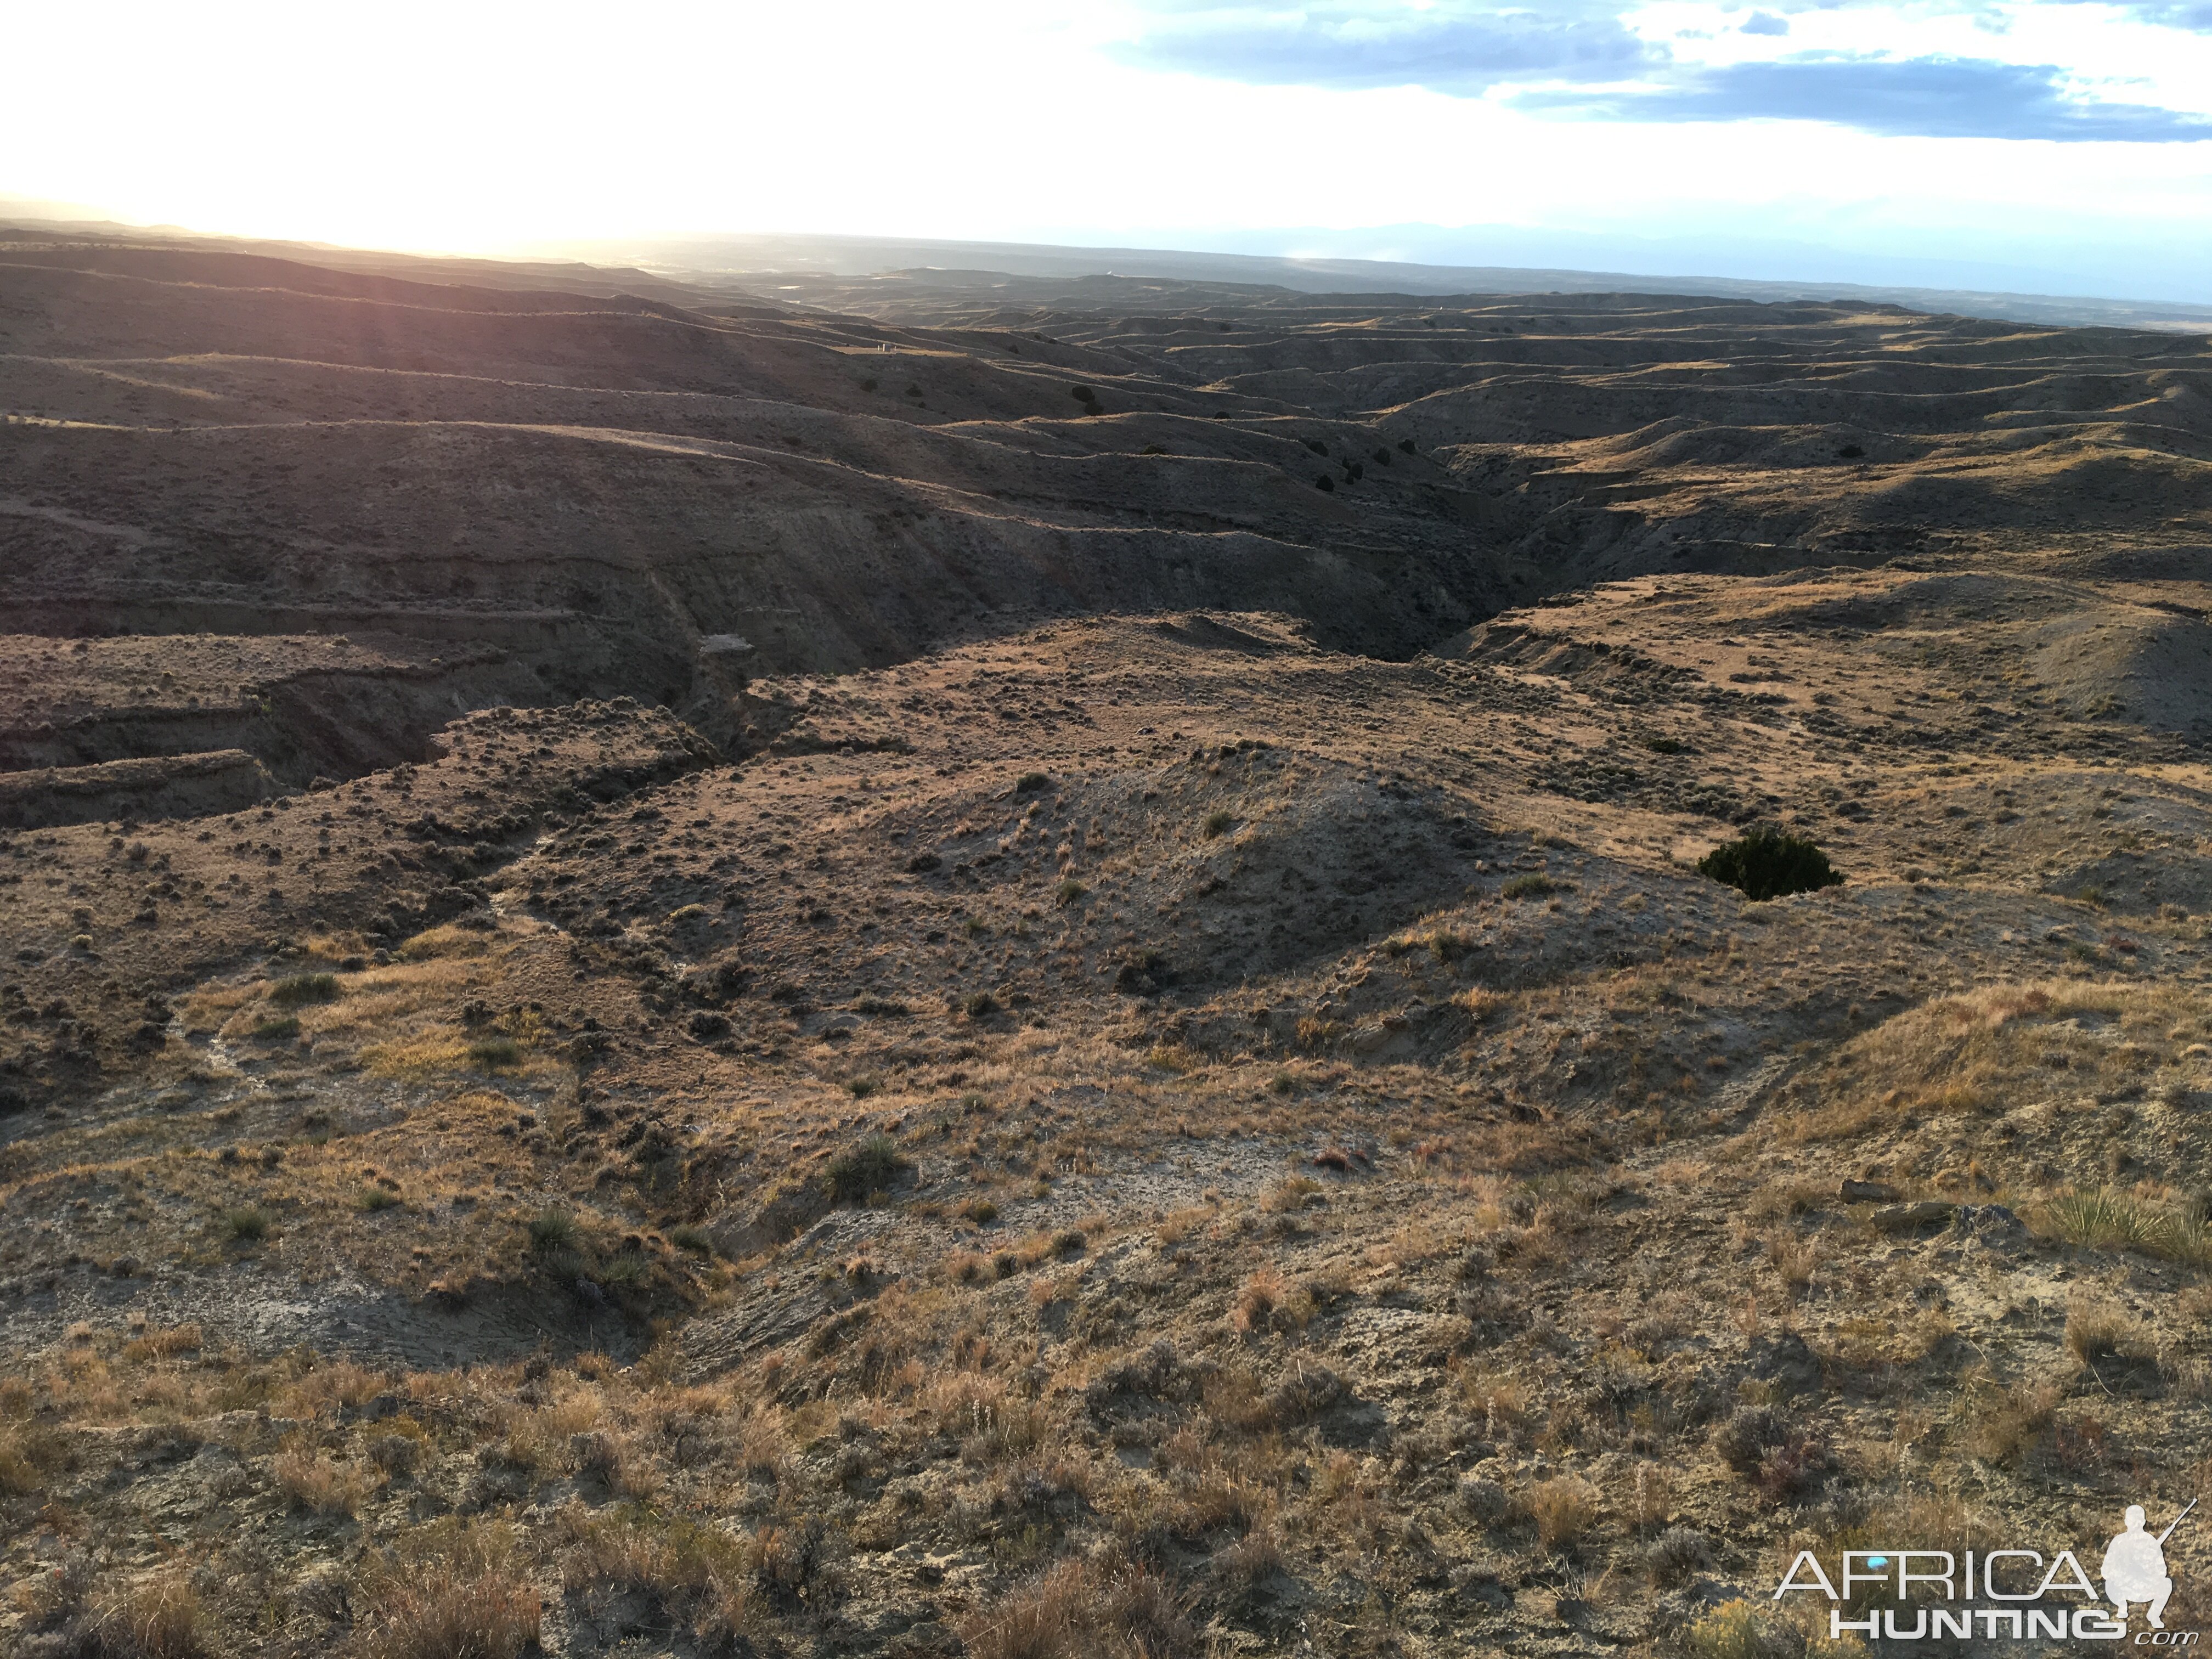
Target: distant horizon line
[1419, 278]
[1321, 261]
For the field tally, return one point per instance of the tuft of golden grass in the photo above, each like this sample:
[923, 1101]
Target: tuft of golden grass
[1077, 1610]
[1564, 1508]
[18, 1473]
[425, 1615]
[310, 1481]
[1794, 1258]
[1478, 1004]
[1731, 1630]
[2097, 1329]
[162, 1344]
[336, 1382]
[156, 1618]
[1263, 1293]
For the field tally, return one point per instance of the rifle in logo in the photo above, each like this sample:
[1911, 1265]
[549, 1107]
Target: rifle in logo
[2176, 1522]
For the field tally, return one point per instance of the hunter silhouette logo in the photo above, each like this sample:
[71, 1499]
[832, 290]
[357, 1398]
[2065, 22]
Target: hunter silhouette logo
[2135, 1566]
[2003, 1594]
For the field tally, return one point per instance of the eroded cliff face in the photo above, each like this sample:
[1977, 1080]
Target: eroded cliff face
[628, 496]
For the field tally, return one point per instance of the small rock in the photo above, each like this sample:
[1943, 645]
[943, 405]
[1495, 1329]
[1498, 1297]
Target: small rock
[1870, 1192]
[1992, 1224]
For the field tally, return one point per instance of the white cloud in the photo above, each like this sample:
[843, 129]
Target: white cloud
[477, 126]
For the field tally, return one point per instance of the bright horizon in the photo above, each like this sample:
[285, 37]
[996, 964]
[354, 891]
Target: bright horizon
[2039, 143]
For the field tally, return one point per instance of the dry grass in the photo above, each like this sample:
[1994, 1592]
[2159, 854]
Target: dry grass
[19, 1472]
[1564, 1508]
[1647, 1497]
[1079, 1610]
[1731, 1630]
[2100, 1329]
[1263, 1295]
[162, 1344]
[337, 1382]
[1505, 1227]
[156, 1618]
[1478, 1004]
[2005, 1044]
[1293, 1192]
[458, 1590]
[2004, 1423]
[1794, 1258]
[425, 1615]
[311, 1481]
[1182, 1225]
[698, 1571]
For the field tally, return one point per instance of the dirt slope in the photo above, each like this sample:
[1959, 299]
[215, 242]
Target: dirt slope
[654, 1000]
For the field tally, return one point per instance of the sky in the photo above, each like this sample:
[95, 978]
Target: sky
[2058, 145]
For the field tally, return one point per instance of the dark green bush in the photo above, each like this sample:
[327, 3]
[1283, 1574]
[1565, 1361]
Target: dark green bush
[1030, 782]
[1082, 394]
[1323, 481]
[1766, 864]
[552, 1232]
[248, 1224]
[867, 1168]
[1317, 445]
[496, 1054]
[1406, 445]
[302, 988]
